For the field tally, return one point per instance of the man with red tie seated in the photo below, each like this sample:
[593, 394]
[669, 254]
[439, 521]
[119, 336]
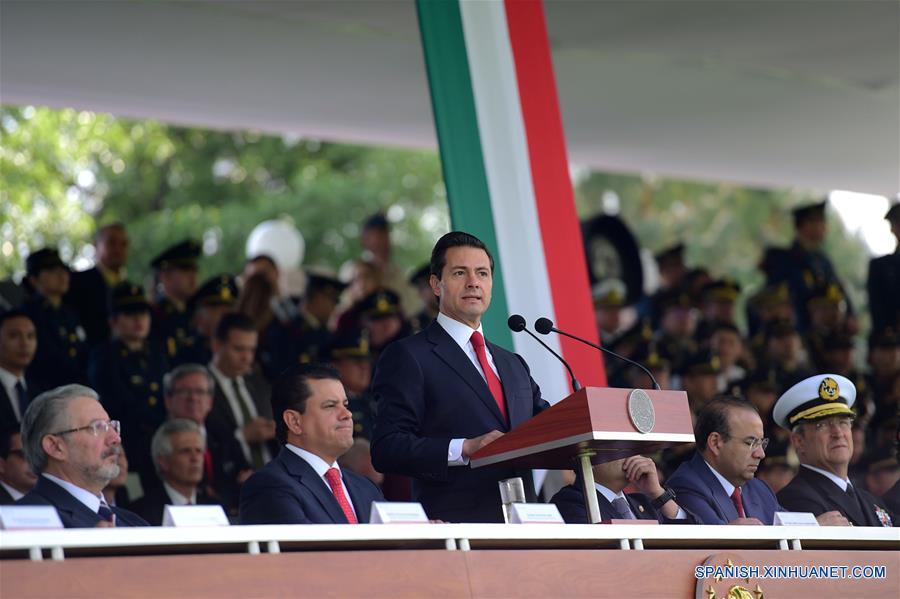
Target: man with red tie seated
[445, 392]
[718, 485]
[650, 502]
[304, 484]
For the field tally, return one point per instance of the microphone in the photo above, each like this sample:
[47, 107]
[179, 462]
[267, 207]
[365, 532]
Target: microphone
[545, 325]
[517, 324]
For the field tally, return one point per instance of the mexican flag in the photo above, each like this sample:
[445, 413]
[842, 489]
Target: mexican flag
[507, 174]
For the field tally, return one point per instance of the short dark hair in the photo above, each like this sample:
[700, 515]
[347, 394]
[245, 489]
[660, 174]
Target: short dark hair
[14, 313]
[713, 418]
[451, 240]
[263, 258]
[233, 321]
[377, 222]
[102, 230]
[291, 390]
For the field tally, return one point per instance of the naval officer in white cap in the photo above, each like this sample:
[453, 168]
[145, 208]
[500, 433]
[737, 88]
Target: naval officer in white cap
[819, 413]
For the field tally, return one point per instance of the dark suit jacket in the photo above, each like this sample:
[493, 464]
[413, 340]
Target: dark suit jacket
[5, 497]
[883, 285]
[150, 507]
[221, 419]
[810, 491]
[288, 491]
[7, 415]
[570, 501]
[428, 392]
[701, 493]
[88, 296]
[72, 512]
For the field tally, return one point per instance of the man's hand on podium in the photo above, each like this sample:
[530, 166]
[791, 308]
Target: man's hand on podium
[471, 446]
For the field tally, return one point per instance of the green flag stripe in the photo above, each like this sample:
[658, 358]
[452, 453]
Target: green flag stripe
[460, 143]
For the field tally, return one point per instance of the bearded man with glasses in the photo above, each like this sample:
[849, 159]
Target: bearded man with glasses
[73, 447]
[818, 412]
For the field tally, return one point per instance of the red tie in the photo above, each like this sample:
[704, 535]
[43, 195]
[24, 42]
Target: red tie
[333, 476]
[738, 502]
[492, 381]
[208, 466]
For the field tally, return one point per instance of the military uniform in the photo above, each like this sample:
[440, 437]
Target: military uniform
[220, 290]
[883, 283]
[362, 404]
[172, 321]
[816, 489]
[130, 381]
[61, 356]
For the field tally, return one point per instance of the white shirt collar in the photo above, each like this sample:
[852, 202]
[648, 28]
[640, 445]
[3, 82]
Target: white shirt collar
[8, 379]
[840, 482]
[177, 498]
[13, 492]
[608, 493]
[461, 333]
[729, 488]
[83, 495]
[317, 463]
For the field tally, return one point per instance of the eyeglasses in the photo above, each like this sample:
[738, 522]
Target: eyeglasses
[844, 424]
[754, 442]
[98, 428]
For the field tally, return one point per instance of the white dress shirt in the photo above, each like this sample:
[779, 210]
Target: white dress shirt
[83, 495]
[13, 492]
[462, 335]
[840, 482]
[176, 498]
[225, 384]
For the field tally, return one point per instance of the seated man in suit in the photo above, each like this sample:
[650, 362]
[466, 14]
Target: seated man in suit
[304, 484]
[16, 478]
[18, 343]
[718, 484]
[445, 393]
[652, 502]
[241, 397]
[73, 446]
[188, 391]
[818, 412]
[177, 450]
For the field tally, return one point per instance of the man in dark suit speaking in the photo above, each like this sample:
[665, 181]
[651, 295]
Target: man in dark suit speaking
[445, 393]
[304, 484]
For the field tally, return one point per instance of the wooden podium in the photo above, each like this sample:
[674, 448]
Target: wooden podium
[592, 426]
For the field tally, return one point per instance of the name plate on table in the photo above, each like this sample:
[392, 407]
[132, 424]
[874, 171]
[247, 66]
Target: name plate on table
[535, 513]
[28, 517]
[194, 515]
[397, 512]
[795, 519]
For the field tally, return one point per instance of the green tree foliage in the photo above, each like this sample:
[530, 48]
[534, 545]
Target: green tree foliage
[725, 227]
[65, 172]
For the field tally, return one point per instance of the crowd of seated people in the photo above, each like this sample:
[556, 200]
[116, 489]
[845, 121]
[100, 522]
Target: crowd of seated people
[231, 392]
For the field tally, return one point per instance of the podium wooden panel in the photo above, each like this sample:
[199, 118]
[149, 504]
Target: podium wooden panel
[591, 420]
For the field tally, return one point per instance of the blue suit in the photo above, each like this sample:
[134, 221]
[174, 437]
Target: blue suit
[72, 512]
[288, 491]
[428, 393]
[700, 492]
[570, 501]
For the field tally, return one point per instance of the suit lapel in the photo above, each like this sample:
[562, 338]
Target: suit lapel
[514, 407]
[70, 508]
[828, 489]
[448, 351]
[359, 503]
[723, 501]
[308, 479]
[226, 406]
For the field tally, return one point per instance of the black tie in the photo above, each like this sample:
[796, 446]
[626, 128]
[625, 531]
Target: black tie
[857, 504]
[256, 452]
[22, 397]
[105, 513]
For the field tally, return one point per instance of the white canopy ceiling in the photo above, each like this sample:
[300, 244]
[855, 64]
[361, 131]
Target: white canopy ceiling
[799, 93]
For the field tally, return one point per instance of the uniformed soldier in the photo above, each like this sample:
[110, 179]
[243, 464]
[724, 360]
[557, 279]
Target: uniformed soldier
[350, 355]
[783, 360]
[672, 271]
[883, 282]
[717, 303]
[216, 297]
[61, 356]
[609, 300]
[323, 293]
[819, 413]
[176, 272]
[382, 318]
[420, 280]
[884, 371]
[806, 267]
[127, 371]
[678, 323]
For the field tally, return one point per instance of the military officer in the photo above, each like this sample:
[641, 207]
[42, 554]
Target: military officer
[349, 354]
[61, 356]
[216, 297]
[819, 413]
[176, 272]
[127, 371]
[884, 280]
